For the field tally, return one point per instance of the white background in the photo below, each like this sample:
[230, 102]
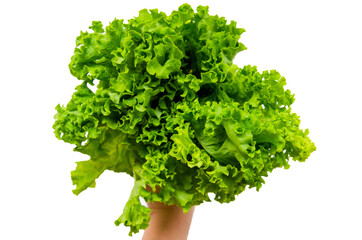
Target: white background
[316, 45]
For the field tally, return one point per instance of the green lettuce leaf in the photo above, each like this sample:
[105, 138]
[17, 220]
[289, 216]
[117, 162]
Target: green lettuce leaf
[135, 215]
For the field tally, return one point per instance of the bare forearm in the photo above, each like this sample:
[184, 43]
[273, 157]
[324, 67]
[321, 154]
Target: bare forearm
[168, 222]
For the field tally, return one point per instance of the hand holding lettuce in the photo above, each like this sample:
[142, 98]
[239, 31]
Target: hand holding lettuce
[173, 111]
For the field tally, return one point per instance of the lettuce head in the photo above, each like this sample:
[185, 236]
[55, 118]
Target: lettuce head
[172, 110]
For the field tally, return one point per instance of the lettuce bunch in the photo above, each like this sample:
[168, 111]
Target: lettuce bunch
[173, 111]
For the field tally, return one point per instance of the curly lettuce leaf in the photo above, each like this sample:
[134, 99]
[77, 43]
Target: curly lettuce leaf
[135, 215]
[111, 151]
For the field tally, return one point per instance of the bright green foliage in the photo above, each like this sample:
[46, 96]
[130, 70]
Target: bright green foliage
[173, 111]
